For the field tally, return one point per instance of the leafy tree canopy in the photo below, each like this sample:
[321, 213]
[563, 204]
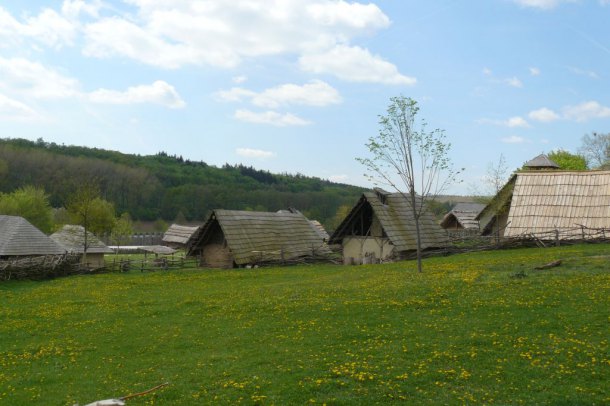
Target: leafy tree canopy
[31, 203]
[568, 161]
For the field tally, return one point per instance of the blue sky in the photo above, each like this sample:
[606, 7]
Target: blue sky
[298, 85]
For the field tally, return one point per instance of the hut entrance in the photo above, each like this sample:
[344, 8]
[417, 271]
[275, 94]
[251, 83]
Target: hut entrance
[216, 252]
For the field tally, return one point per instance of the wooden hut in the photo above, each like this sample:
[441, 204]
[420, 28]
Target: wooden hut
[462, 217]
[72, 238]
[232, 238]
[381, 226]
[19, 238]
[541, 162]
[550, 205]
[177, 236]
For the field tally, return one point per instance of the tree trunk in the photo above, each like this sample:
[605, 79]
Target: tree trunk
[417, 230]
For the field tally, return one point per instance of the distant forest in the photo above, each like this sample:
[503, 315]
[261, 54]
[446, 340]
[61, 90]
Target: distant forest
[164, 186]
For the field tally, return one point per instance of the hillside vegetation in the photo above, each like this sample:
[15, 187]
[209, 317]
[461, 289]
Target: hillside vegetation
[481, 328]
[163, 186]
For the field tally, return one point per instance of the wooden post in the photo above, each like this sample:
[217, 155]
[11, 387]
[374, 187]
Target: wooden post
[557, 238]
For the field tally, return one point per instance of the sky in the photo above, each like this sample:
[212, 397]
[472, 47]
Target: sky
[297, 86]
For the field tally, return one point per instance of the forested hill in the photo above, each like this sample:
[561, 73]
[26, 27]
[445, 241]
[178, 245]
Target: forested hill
[162, 186]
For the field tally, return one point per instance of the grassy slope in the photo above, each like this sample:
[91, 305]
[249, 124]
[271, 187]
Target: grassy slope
[463, 331]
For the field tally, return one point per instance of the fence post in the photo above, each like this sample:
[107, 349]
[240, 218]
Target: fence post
[557, 238]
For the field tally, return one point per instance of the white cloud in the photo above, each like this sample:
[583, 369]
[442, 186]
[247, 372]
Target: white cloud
[74, 9]
[586, 111]
[235, 94]
[513, 82]
[159, 92]
[254, 153]
[338, 178]
[513, 122]
[487, 72]
[23, 78]
[514, 139]
[171, 34]
[516, 122]
[114, 36]
[14, 110]
[29, 78]
[315, 93]
[543, 115]
[582, 72]
[47, 28]
[270, 117]
[354, 64]
[542, 4]
[534, 71]
[239, 79]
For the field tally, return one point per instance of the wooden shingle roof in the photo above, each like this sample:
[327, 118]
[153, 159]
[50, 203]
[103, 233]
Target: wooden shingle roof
[541, 162]
[464, 214]
[255, 237]
[547, 201]
[72, 238]
[20, 238]
[396, 218]
[177, 234]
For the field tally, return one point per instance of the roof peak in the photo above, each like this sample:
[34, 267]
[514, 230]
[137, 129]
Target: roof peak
[541, 161]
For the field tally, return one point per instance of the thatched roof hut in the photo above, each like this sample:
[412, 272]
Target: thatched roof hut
[381, 225]
[72, 238]
[236, 238]
[19, 238]
[463, 217]
[177, 235]
[550, 204]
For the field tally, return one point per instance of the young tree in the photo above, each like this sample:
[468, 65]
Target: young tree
[596, 149]
[31, 203]
[122, 231]
[88, 209]
[414, 162]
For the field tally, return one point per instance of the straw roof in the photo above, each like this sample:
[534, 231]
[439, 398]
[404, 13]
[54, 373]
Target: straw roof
[178, 235]
[20, 238]
[396, 218]
[72, 238]
[464, 214]
[254, 237]
[319, 228]
[547, 201]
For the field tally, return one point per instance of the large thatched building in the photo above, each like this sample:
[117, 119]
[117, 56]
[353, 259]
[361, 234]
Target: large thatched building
[72, 238]
[19, 238]
[177, 236]
[232, 238]
[381, 226]
[462, 217]
[550, 205]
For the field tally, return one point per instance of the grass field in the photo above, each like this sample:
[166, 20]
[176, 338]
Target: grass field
[473, 328]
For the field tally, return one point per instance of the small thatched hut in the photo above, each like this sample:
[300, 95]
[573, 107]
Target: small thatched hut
[462, 217]
[177, 236]
[550, 205]
[232, 238]
[19, 238]
[72, 238]
[381, 226]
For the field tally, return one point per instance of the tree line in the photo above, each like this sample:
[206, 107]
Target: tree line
[163, 186]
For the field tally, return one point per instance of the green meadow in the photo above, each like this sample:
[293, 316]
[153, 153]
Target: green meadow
[479, 328]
